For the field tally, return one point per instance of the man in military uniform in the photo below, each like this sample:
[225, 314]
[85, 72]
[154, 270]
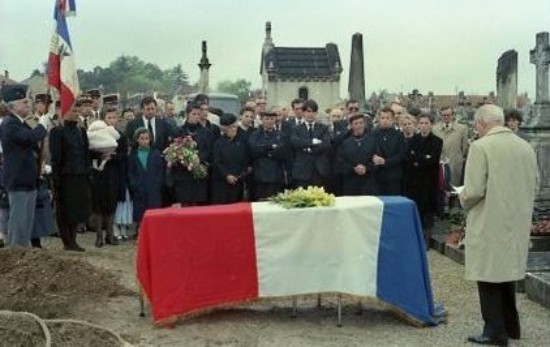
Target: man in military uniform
[20, 134]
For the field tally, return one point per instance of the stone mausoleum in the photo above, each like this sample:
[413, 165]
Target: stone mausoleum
[300, 72]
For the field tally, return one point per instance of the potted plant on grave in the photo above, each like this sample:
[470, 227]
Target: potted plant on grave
[541, 227]
[457, 227]
[540, 235]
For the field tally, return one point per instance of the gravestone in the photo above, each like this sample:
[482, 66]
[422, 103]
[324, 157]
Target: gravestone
[356, 85]
[507, 79]
[537, 123]
[537, 287]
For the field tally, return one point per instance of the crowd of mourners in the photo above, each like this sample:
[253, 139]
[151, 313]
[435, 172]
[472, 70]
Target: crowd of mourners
[99, 168]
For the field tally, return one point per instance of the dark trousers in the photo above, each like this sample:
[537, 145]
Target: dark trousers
[389, 187]
[498, 309]
[262, 191]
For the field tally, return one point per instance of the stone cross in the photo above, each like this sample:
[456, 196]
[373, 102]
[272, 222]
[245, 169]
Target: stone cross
[540, 56]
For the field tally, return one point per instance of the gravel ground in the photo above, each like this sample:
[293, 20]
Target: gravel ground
[270, 323]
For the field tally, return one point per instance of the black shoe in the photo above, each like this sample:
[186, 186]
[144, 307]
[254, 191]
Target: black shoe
[515, 336]
[490, 341]
[74, 248]
[2, 244]
[110, 240]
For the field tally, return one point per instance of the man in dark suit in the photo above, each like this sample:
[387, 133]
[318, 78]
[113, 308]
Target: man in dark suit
[311, 143]
[389, 154]
[161, 131]
[296, 119]
[20, 134]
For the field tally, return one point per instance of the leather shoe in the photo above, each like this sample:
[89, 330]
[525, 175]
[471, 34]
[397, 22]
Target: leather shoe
[490, 341]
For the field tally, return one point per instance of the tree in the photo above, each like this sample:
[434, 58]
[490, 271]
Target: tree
[240, 87]
[129, 75]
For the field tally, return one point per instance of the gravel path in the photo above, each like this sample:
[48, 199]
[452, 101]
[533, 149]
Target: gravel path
[270, 323]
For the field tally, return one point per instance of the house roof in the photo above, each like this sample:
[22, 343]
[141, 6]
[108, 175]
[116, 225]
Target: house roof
[4, 80]
[302, 61]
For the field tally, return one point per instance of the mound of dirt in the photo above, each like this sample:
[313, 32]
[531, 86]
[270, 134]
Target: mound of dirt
[47, 284]
[17, 329]
[67, 334]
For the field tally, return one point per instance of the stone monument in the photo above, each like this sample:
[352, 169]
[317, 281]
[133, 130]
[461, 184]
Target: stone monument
[356, 84]
[537, 124]
[507, 79]
[204, 66]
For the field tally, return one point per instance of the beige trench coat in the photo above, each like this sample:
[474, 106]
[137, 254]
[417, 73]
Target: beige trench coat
[455, 147]
[500, 183]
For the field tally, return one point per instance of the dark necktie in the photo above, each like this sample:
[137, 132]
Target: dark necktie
[310, 130]
[150, 127]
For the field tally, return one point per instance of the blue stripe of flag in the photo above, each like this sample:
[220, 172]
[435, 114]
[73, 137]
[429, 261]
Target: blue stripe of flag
[62, 29]
[401, 258]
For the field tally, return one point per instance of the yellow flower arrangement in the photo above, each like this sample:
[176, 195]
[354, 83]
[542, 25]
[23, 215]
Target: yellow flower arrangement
[301, 198]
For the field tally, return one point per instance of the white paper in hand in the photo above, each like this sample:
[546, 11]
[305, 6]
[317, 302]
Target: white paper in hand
[458, 190]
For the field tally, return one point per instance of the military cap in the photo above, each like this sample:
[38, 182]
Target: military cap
[14, 92]
[268, 114]
[45, 98]
[228, 119]
[111, 99]
[94, 93]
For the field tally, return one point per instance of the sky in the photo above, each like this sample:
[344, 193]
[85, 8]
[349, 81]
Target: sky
[442, 46]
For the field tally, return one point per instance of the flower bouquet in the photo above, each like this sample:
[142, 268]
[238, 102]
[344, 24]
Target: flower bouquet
[301, 198]
[183, 151]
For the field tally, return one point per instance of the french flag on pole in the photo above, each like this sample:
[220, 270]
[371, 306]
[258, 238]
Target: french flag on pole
[62, 73]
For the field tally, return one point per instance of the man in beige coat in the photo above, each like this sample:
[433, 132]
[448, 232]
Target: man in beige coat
[455, 143]
[500, 182]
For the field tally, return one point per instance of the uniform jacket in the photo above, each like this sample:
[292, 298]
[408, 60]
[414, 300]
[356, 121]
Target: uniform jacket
[20, 144]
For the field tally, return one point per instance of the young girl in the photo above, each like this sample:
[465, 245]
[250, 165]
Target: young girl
[109, 148]
[145, 175]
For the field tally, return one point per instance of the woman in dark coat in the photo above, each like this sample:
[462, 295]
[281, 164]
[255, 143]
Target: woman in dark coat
[145, 175]
[71, 168]
[107, 183]
[190, 191]
[422, 172]
[230, 163]
[353, 160]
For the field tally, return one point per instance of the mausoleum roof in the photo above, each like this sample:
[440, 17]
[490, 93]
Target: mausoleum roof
[303, 61]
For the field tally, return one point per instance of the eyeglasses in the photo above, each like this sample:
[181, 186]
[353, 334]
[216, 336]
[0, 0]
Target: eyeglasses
[353, 108]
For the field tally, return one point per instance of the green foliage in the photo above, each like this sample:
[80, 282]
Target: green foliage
[457, 218]
[129, 74]
[240, 87]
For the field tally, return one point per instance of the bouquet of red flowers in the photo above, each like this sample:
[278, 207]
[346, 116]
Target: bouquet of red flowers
[183, 151]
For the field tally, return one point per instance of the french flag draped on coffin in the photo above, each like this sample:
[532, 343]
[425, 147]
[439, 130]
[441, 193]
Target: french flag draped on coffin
[194, 259]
